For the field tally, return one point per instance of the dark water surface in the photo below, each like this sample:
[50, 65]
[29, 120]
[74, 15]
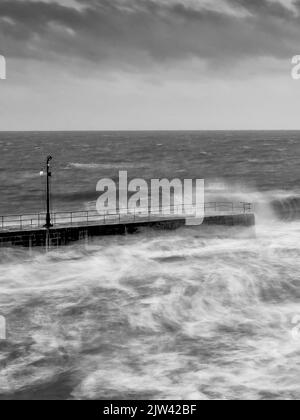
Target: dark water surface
[188, 314]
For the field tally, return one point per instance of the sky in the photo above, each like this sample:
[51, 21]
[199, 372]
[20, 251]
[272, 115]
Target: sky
[149, 64]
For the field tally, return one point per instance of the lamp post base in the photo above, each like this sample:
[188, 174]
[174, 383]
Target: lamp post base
[48, 226]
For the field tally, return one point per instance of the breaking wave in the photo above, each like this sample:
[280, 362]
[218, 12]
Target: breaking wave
[287, 208]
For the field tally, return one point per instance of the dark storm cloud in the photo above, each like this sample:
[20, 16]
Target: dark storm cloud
[137, 32]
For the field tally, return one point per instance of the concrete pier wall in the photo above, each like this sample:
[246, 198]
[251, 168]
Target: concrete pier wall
[66, 235]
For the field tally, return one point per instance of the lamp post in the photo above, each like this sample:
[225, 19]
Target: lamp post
[48, 224]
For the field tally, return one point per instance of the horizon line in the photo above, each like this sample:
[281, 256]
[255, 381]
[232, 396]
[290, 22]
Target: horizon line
[151, 130]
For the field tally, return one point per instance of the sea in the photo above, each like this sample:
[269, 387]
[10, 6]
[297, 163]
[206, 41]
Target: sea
[199, 314]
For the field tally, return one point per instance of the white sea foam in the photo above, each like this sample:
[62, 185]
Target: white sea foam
[113, 166]
[175, 315]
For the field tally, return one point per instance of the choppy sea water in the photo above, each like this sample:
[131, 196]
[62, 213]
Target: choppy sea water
[191, 314]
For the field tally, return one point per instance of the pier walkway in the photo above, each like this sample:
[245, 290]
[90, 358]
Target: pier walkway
[29, 230]
[92, 217]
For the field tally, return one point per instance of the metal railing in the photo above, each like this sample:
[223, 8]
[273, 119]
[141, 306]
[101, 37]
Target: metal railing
[71, 218]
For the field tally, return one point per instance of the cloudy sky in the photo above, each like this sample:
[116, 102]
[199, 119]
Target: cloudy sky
[149, 64]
